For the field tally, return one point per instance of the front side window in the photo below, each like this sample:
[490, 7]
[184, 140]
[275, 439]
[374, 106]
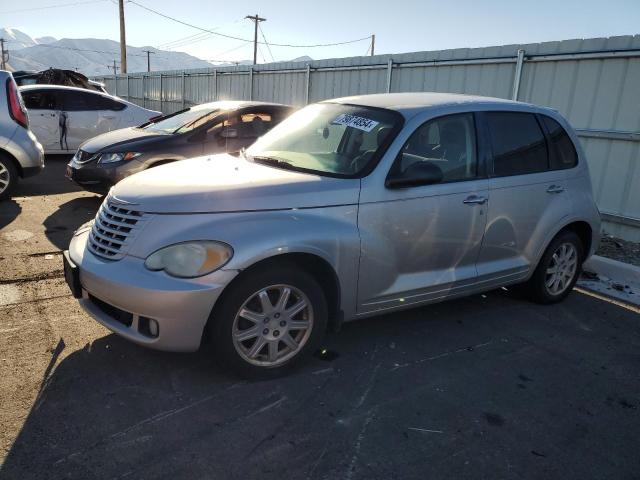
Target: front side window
[328, 139]
[39, 100]
[518, 143]
[563, 152]
[446, 145]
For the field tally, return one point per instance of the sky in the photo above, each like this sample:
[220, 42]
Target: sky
[399, 25]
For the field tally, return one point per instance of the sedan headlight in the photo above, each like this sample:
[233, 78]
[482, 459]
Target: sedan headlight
[190, 259]
[117, 157]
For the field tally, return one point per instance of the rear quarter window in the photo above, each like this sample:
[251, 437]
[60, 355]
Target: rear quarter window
[561, 148]
[518, 143]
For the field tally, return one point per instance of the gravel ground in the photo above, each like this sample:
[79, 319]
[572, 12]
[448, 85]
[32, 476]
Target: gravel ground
[489, 386]
[618, 249]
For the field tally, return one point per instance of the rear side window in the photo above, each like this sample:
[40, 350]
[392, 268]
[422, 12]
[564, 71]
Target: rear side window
[106, 103]
[518, 144]
[563, 152]
[39, 100]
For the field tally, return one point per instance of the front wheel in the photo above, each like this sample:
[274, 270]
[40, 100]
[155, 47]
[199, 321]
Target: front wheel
[558, 270]
[269, 321]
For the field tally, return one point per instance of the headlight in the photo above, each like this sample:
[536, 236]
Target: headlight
[117, 157]
[190, 259]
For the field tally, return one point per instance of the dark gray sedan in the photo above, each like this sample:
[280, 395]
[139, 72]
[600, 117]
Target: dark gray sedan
[217, 127]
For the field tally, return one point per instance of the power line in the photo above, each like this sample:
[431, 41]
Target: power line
[266, 43]
[245, 39]
[51, 6]
[78, 49]
[196, 37]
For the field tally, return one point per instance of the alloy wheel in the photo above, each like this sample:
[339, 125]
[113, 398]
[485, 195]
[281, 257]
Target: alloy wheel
[272, 325]
[562, 268]
[5, 178]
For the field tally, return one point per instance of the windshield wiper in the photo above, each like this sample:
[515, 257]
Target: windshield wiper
[275, 162]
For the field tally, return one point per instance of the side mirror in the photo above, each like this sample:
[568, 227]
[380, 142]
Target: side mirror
[229, 133]
[419, 173]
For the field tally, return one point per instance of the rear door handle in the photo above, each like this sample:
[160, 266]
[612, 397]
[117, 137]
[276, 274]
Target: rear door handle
[475, 200]
[555, 189]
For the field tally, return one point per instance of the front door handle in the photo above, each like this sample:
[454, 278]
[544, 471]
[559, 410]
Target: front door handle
[475, 200]
[555, 189]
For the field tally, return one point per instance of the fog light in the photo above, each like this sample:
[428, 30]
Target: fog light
[153, 327]
[148, 327]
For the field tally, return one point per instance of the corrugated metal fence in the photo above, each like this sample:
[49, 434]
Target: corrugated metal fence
[595, 83]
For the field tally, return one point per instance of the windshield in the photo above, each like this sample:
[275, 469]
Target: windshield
[328, 138]
[182, 122]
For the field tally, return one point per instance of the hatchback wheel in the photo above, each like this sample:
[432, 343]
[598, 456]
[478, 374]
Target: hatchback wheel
[558, 270]
[8, 177]
[268, 321]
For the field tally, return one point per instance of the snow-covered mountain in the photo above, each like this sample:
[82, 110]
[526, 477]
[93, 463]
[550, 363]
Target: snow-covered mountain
[90, 56]
[16, 39]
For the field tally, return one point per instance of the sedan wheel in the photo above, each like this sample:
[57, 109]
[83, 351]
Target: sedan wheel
[273, 325]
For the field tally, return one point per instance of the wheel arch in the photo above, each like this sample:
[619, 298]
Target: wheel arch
[580, 227]
[311, 263]
[13, 160]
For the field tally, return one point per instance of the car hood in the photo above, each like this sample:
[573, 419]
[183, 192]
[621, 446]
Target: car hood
[121, 140]
[224, 183]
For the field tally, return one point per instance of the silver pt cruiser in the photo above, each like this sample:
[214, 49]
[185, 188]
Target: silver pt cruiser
[349, 208]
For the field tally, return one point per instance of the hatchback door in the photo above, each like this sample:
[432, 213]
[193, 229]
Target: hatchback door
[43, 117]
[529, 197]
[421, 243]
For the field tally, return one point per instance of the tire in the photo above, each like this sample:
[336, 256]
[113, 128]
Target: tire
[8, 177]
[569, 252]
[246, 357]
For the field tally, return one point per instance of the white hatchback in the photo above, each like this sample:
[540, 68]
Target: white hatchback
[64, 117]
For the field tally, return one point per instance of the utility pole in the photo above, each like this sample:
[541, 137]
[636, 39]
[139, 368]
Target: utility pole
[4, 53]
[123, 39]
[149, 52]
[114, 67]
[256, 19]
[373, 44]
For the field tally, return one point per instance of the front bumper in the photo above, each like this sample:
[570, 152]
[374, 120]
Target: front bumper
[181, 307]
[98, 178]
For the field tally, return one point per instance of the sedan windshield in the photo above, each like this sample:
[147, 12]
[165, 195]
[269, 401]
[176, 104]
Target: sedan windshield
[183, 121]
[328, 138]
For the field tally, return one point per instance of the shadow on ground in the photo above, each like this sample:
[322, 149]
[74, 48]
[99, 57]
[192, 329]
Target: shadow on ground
[60, 225]
[9, 211]
[484, 387]
[50, 182]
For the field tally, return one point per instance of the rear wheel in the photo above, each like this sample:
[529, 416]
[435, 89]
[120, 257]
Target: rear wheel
[269, 321]
[558, 270]
[8, 177]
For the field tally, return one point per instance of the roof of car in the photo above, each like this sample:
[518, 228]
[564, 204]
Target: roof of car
[57, 87]
[410, 102]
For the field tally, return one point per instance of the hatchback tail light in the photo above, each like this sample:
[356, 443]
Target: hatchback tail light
[17, 111]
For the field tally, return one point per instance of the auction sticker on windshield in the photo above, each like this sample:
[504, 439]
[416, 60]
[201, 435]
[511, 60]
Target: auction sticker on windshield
[360, 123]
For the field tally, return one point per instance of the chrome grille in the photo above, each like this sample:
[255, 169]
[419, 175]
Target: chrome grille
[113, 230]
